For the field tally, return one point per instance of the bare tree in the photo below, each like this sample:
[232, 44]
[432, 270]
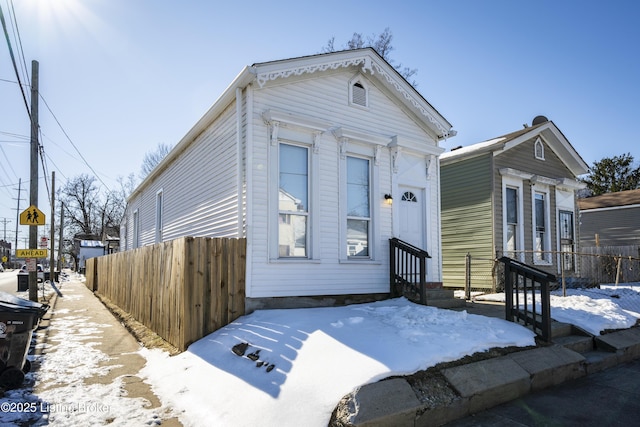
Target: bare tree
[153, 158]
[90, 212]
[81, 200]
[381, 43]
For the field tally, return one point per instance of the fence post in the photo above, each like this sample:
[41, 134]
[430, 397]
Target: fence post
[562, 268]
[618, 269]
[392, 269]
[467, 276]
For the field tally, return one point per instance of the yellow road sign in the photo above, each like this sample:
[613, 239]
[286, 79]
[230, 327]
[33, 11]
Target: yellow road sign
[32, 216]
[31, 253]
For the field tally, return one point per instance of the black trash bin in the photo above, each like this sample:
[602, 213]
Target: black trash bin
[23, 282]
[18, 319]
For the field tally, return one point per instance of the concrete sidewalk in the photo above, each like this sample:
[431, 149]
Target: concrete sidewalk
[82, 349]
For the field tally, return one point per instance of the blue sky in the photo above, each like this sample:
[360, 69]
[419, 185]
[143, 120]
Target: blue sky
[122, 76]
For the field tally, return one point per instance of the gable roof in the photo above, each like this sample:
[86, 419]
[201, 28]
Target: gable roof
[367, 59]
[551, 134]
[608, 200]
[370, 62]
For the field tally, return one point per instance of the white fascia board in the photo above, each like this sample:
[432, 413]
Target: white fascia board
[564, 150]
[415, 147]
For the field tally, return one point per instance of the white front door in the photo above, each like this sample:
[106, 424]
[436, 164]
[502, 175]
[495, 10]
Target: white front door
[411, 216]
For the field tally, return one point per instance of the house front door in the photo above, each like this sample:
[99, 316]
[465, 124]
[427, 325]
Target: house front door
[411, 216]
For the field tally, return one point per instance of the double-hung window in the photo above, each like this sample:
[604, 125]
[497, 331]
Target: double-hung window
[159, 211]
[358, 207]
[293, 201]
[136, 229]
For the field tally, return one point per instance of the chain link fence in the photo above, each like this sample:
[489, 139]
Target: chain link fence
[591, 267]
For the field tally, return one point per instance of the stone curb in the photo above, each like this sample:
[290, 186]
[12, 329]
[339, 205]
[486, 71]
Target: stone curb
[487, 383]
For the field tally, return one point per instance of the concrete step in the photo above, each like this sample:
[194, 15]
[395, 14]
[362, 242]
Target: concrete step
[559, 329]
[446, 302]
[598, 360]
[577, 343]
[625, 343]
[439, 293]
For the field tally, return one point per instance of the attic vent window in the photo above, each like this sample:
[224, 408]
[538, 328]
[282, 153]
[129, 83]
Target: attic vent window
[539, 149]
[359, 94]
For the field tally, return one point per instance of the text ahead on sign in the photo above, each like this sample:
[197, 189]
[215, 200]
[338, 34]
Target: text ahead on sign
[31, 253]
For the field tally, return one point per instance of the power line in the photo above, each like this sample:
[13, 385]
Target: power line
[40, 146]
[74, 145]
[13, 61]
[16, 35]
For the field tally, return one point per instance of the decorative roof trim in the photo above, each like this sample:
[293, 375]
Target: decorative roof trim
[366, 63]
[263, 78]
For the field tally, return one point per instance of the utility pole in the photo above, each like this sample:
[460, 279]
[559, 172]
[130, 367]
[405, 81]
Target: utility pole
[17, 216]
[4, 239]
[33, 187]
[60, 238]
[52, 234]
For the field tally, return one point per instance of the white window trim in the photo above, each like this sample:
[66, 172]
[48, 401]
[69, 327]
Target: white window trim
[313, 245]
[363, 152]
[537, 144]
[135, 243]
[508, 182]
[159, 215]
[547, 258]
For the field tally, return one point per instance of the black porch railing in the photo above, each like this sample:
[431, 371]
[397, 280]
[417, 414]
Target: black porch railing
[408, 269]
[521, 284]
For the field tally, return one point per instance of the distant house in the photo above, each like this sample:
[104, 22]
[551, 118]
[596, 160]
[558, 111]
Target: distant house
[611, 219]
[88, 249]
[512, 195]
[302, 157]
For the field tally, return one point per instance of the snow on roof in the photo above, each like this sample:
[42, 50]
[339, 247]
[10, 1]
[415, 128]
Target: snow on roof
[470, 149]
[91, 244]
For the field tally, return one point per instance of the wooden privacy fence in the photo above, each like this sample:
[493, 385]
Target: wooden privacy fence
[183, 289]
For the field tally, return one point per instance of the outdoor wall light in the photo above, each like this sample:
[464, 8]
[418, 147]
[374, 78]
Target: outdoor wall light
[388, 199]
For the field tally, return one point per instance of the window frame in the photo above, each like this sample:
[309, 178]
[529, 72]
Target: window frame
[366, 150]
[306, 213]
[542, 257]
[307, 139]
[367, 219]
[159, 215]
[518, 186]
[135, 243]
[538, 149]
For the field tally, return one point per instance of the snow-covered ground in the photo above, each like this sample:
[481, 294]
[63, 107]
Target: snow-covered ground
[291, 367]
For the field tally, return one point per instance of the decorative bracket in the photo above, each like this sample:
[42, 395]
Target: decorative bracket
[430, 163]
[274, 127]
[316, 141]
[376, 156]
[343, 147]
[395, 158]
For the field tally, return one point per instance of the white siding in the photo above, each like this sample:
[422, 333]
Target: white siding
[200, 190]
[326, 99]
[200, 187]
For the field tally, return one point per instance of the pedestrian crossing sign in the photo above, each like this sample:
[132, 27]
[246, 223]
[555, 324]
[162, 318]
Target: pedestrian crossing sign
[32, 216]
